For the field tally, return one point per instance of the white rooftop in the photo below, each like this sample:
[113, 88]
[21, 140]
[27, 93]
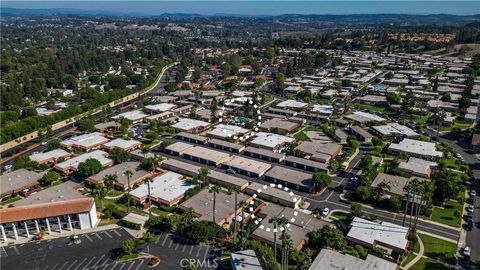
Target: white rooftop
[323, 109]
[56, 153]
[395, 129]
[167, 186]
[86, 140]
[417, 165]
[189, 124]
[329, 259]
[271, 140]
[383, 233]
[161, 107]
[132, 115]
[227, 131]
[74, 162]
[372, 117]
[416, 147]
[121, 143]
[290, 103]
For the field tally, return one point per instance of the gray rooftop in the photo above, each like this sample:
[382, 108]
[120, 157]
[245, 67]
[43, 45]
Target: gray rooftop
[17, 180]
[329, 259]
[66, 191]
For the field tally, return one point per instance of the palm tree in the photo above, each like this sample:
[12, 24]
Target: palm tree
[109, 180]
[215, 190]
[129, 174]
[145, 149]
[281, 221]
[202, 175]
[100, 191]
[148, 180]
[287, 244]
[148, 238]
[242, 205]
[235, 190]
[380, 190]
[408, 190]
[188, 215]
[415, 191]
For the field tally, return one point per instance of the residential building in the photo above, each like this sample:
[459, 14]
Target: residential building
[416, 148]
[120, 170]
[71, 165]
[86, 142]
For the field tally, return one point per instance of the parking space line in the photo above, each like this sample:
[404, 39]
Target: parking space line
[80, 263]
[88, 237]
[164, 240]
[16, 250]
[96, 234]
[63, 265]
[191, 249]
[72, 264]
[184, 246]
[105, 232]
[206, 253]
[93, 258]
[131, 265]
[140, 264]
[198, 251]
[3, 252]
[99, 264]
[171, 242]
[117, 233]
[178, 244]
[99, 260]
[123, 265]
[47, 267]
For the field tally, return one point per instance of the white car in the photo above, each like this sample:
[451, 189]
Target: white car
[473, 193]
[44, 143]
[466, 251]
[325, 211]
[470, 208]
[7, 167]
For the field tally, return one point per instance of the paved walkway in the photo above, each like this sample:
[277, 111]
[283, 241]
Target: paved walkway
[419, 255]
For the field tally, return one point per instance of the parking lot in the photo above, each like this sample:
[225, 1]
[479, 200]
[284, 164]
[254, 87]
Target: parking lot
[95, 252]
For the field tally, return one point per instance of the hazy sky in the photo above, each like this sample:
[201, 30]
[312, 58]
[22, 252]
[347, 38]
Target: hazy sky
[263, 7]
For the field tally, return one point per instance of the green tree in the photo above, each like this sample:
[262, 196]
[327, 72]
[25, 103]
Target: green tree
[118, 155]
[395, 203]
[86, 124]
[214, 189]
[148, 238]
[100, 192]
[187, 215]
[53, 144]
[129, 246]
[362, 193]
[50, 177]
[394, 98]
[356, 209]
[203, 230]
[334, 166]
[408, 102]
[89, 167]
[321, 180]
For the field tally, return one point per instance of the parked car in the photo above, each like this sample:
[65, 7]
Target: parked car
[470, 208]
[7, 167]
[230, 171]
[469, 218]
[473, 193]
[325, 211]
[466, 251]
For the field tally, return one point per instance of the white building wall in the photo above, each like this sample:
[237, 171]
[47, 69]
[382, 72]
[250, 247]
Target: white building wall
[89, 219]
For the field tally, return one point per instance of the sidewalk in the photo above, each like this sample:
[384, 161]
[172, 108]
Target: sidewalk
[419, 255]
[56, 235]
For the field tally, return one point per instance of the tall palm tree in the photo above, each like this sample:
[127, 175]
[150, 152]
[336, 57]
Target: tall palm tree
[100, 191]
[148, 180]
[277, 221]
[408, 190]
[129, 174]
[235, 190]
[242, 205]
[109, 180]
[287, 244]
[215, 190]
[415, 191]
[188, 215]
[202, 176]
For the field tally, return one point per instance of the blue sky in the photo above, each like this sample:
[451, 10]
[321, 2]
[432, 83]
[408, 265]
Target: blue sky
[263, 7]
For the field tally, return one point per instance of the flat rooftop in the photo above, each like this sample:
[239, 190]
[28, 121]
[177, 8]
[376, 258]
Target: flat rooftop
[122, 143]
[312, 148]
[119, 170]
[417, 165]
[167, 187]
[86, 140]
[206, 154]
[178, 147]
[224, 131]
[177, 165]
[19, 179]
[266, 191]
[68, 190]
[74, 162]
[381, 233]
[290, 103]
[226, 144]
[290, 176]
[395, 129]
[247, 164]
[263, 152]
[132, 115]
[271, 140]
[202, 203]
[189, 124]
[416, 147]
[161, 107]
[307, 162]
[329, 259]
[52, 154]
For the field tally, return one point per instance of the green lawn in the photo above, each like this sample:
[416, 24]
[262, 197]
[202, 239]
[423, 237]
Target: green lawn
[419, 119]
[301, 136]
[340, 216]
[369, 107]
[409, 258]
[439, 249]
[114, 193]
[428, 264]
[446, 216]
[121, 206]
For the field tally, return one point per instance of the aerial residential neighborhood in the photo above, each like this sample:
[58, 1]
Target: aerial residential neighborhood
[218, 142]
